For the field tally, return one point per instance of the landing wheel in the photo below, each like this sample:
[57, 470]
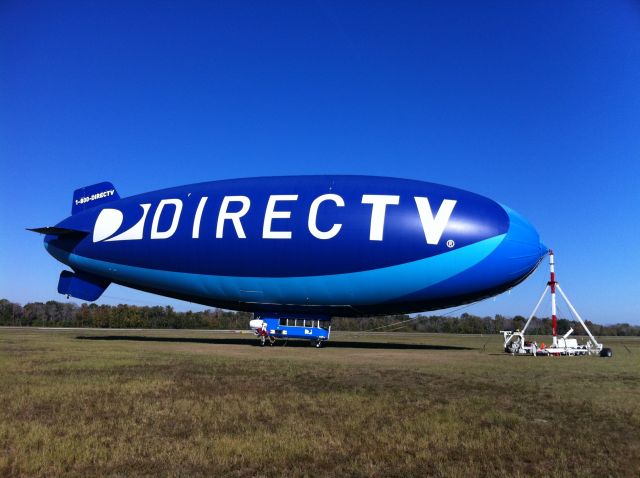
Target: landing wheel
[513, 346]
[607, 353]
[317, 344]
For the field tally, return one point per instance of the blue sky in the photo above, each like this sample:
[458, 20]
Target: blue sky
[535, 104]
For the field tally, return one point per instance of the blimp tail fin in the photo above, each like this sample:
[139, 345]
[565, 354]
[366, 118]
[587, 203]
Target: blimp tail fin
[82, 285]
[58, 231]
[92, 196]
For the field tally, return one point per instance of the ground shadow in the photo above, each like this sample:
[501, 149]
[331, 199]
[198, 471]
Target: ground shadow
[279, 343]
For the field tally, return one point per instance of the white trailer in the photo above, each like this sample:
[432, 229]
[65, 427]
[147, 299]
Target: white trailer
[516, 342]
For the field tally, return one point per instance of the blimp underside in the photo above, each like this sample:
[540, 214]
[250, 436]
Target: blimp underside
[320, 245]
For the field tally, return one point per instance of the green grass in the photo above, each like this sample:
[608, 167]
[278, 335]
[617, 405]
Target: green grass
[183, 403]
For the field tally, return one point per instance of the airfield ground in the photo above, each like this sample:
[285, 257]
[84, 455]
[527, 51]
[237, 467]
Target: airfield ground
[180, 403]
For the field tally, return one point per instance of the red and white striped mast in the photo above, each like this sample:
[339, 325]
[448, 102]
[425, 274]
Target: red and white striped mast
[552, 285]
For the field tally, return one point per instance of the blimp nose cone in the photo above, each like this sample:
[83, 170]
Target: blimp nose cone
[521, 247]
[544, 248]
[255, 324]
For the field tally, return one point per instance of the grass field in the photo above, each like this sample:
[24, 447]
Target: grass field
[180, 403]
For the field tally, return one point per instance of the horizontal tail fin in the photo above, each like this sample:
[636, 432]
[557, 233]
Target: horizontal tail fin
[82, 285]
[92, 196]
[58, 231]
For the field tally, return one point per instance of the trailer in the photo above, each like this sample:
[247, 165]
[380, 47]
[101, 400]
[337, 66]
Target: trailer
[516, 343]
[270, 327]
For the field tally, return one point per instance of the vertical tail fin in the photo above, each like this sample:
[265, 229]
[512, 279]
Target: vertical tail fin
[92, 196]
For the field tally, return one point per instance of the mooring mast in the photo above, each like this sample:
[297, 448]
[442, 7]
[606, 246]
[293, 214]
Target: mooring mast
[514, 342]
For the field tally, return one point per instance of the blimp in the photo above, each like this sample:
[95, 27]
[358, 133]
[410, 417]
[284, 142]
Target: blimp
[296, 250]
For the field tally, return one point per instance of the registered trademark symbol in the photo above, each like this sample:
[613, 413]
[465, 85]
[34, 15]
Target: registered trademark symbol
[450, 243]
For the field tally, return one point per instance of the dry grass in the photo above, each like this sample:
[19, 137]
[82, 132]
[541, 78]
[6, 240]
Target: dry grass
[208, 404]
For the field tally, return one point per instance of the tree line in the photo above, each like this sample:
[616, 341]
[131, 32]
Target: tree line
[67, 314]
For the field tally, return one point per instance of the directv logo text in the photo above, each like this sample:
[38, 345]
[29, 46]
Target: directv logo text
[233, 208]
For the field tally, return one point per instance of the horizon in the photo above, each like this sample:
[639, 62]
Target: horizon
[461, 311]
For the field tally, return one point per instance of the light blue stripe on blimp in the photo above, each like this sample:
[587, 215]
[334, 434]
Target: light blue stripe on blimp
[354, 288]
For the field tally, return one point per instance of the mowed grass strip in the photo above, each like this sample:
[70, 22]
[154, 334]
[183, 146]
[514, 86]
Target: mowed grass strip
[450, 406]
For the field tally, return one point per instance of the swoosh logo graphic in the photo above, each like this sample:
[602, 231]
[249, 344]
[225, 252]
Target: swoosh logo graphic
[109, 222]
[356, 288]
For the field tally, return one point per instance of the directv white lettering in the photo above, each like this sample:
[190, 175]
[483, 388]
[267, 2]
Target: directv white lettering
[379, 204]
[155, 234]
[223, 215]
[271, 214]
[434, 227]
[313, 216]
[110, 220]
[196, 220]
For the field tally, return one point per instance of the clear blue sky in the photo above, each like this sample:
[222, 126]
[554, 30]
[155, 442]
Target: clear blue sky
[534, 104]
